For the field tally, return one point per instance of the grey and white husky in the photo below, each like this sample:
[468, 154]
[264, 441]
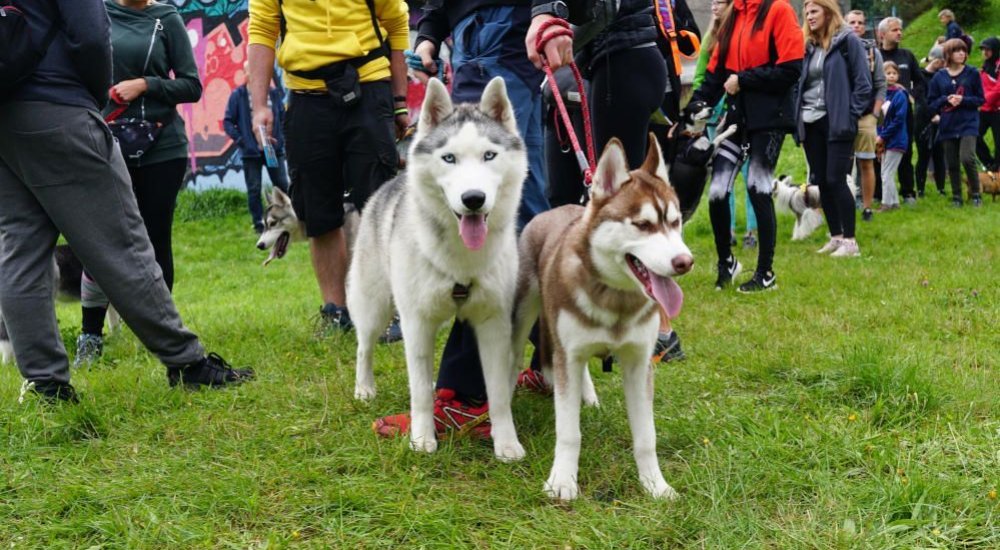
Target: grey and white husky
[442, 235]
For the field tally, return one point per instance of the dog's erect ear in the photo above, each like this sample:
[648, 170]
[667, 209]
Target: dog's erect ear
[654, 163]
[437, 105]
[279, 198]
[496, 105]
[612, 171]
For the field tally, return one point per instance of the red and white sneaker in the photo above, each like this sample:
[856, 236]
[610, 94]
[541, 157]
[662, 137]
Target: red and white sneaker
[533, 381]
[452, 418]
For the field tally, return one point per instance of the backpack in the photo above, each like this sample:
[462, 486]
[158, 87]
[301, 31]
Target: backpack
[20, 55]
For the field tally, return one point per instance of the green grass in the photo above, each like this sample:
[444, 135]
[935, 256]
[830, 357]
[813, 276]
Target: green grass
[855, 407]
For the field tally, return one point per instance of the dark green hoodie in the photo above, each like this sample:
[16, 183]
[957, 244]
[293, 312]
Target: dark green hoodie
[131, 33]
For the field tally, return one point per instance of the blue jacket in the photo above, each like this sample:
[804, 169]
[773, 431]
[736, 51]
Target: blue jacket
[76, 69]
[961, 121]
[237, 122]
[847, 86]
[892, 130]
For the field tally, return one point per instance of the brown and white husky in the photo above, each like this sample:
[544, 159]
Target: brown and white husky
[597, 277]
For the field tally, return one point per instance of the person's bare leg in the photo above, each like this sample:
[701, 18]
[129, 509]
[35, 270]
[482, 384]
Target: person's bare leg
[866, 169]
[329, 259]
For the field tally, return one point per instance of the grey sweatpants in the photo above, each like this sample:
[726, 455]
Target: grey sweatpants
[62, 172]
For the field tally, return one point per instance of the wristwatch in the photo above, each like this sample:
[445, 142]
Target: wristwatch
[556, 9]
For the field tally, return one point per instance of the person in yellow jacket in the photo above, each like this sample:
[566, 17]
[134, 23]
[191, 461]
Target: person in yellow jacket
[344, 66]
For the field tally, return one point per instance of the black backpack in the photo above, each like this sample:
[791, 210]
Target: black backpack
[19, 54]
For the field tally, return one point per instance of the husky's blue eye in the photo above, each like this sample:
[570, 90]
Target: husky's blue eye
[449, 158]
[489, 155]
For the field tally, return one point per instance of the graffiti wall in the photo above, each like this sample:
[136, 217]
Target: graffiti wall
[218, 33]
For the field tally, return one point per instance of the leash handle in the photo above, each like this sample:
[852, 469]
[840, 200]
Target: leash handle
[122, 105]
[587, 162]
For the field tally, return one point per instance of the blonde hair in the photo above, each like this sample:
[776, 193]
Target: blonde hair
[834, 22]
[950, 15]
[713, 36]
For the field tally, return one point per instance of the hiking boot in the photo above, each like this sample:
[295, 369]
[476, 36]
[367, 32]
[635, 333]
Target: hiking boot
[533, 381]
[668, 348]
[393, 333]
[749, 241]
[452, 418]
[728, 269]
[831, 245]
[333, 318]
[866, 215]
[759, 282]
[89, 348]
[849, 248]
[212, 371]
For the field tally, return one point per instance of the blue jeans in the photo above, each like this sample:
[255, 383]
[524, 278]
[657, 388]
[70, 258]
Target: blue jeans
[252, 167]
[489, 43]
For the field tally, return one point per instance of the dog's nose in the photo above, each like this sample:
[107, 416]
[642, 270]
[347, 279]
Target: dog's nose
[682, 263]
[473, 200]
[261, 245]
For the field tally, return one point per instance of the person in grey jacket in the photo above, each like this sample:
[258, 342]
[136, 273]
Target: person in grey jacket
[835, 89]
[61, 172]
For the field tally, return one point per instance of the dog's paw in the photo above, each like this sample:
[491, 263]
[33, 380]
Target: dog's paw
[6, 352]
[510, 451]
[424, 444]
[561, 489]
[363, 392]
[590, 400]
[659, 489]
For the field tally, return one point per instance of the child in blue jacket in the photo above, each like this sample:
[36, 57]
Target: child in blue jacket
[956, 94]
[892, 134]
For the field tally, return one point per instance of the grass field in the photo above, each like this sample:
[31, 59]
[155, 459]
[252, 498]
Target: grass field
[856, 407]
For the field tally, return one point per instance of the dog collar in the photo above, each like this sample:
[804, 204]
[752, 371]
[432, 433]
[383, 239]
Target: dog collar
[460, 292]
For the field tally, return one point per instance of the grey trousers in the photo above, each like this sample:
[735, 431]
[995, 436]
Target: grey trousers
[62, 172]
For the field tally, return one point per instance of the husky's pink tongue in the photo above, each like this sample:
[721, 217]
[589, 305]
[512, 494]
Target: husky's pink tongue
[668, 293]
[472, 229]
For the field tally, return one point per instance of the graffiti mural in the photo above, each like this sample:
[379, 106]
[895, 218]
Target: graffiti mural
[218, 33]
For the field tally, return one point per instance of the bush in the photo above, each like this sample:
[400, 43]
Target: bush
[966, 11]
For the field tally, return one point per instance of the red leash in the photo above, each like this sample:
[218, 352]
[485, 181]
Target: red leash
[122, 105]
[587, 162]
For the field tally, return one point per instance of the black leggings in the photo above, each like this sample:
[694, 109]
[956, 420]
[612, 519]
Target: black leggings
[961, 153]
[989, 122]
[156, 187]
[763, 149]
[829, 163]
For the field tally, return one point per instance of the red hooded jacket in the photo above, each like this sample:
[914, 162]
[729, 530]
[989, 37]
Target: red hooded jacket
[768, 63]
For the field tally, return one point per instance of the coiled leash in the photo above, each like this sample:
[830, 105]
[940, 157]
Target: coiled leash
[587, 161]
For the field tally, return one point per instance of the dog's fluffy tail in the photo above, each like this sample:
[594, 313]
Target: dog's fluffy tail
[811, 220]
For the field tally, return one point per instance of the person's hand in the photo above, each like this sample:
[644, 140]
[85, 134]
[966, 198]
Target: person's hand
[732, 85]
[128, 90]
[427, 51]
[935, 119]
[558, 50]
[262, 116]
[401, 122]
[955, 100]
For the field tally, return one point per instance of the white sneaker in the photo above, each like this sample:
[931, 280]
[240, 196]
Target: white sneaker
[848, 249]
[831, 246]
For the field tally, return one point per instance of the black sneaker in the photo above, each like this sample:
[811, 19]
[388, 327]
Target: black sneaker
[749, 241]
[759, 282]
[977, 201]
[212, 371]
[393, 333]
[866, 215]
[728, 269]
[333, 318]
[668, 348]
[956, 202]
[49, 391]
